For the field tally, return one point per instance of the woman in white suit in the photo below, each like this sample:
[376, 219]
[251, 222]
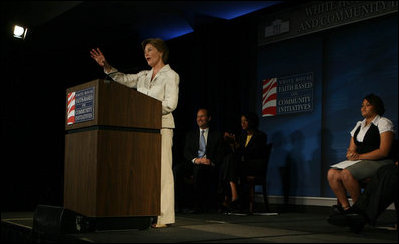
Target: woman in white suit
[161, 83]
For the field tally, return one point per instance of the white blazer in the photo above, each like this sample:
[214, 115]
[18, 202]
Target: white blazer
[164, 87]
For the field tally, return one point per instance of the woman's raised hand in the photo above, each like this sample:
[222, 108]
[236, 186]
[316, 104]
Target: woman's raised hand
[98, 56]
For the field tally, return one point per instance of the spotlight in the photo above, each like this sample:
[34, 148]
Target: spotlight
[20, 32]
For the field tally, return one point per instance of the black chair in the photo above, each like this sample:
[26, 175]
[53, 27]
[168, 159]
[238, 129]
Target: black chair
[260, 180]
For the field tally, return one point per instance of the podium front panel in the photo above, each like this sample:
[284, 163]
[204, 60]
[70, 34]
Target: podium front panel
[80, 172]
[116, 174]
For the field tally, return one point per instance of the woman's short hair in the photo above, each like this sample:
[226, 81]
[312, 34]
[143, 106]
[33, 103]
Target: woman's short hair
[377, 102]
[253, 120]
[160, 45]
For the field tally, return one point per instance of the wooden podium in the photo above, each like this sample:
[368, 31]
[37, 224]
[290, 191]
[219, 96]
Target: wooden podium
[112, 151]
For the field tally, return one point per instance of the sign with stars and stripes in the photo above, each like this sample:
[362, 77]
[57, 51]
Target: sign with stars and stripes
[80, 106]
[290, 94]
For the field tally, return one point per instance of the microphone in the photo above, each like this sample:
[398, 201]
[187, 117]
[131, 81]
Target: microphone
[107, 79]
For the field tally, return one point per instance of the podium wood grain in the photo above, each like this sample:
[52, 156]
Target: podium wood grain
[112, 163]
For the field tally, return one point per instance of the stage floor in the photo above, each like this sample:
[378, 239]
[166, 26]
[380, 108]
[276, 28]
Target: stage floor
[288, 227]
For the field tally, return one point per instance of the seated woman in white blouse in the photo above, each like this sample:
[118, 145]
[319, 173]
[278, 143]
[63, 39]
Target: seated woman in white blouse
[371, 142]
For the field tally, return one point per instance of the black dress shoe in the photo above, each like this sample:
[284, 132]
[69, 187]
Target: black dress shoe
[188, 211]
[339, 216]
[338, 219]
[234, 205]
[337, 209]
[356, 222]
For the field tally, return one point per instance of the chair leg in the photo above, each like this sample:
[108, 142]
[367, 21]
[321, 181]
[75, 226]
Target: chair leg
[251, 195]
[267, 209]
[396, 204]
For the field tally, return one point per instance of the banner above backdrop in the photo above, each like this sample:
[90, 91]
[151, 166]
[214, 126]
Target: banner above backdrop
[289, 94]
[317, 16]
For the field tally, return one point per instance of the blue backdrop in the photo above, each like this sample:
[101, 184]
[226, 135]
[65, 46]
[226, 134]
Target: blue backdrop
[348, 63]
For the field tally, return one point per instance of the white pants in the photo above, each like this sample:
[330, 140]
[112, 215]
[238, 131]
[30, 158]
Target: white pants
[167, 183]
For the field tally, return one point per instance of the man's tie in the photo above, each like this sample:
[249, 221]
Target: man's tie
[202, 146]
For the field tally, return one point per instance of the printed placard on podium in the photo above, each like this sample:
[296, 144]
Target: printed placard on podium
[81, 106]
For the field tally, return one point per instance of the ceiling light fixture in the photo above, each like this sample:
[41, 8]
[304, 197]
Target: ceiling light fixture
[20, 32]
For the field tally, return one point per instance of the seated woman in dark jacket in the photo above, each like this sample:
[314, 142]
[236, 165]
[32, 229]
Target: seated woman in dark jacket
[248, 157]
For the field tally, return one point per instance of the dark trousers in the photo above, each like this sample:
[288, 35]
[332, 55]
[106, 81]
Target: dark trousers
[183, 186]
[380, 192]
[205, 187]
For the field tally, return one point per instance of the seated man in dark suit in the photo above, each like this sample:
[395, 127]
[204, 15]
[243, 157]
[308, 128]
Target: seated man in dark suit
[203, 149]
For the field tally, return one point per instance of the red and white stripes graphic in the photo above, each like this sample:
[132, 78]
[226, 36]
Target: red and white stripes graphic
[269, 97]
[71, 108]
